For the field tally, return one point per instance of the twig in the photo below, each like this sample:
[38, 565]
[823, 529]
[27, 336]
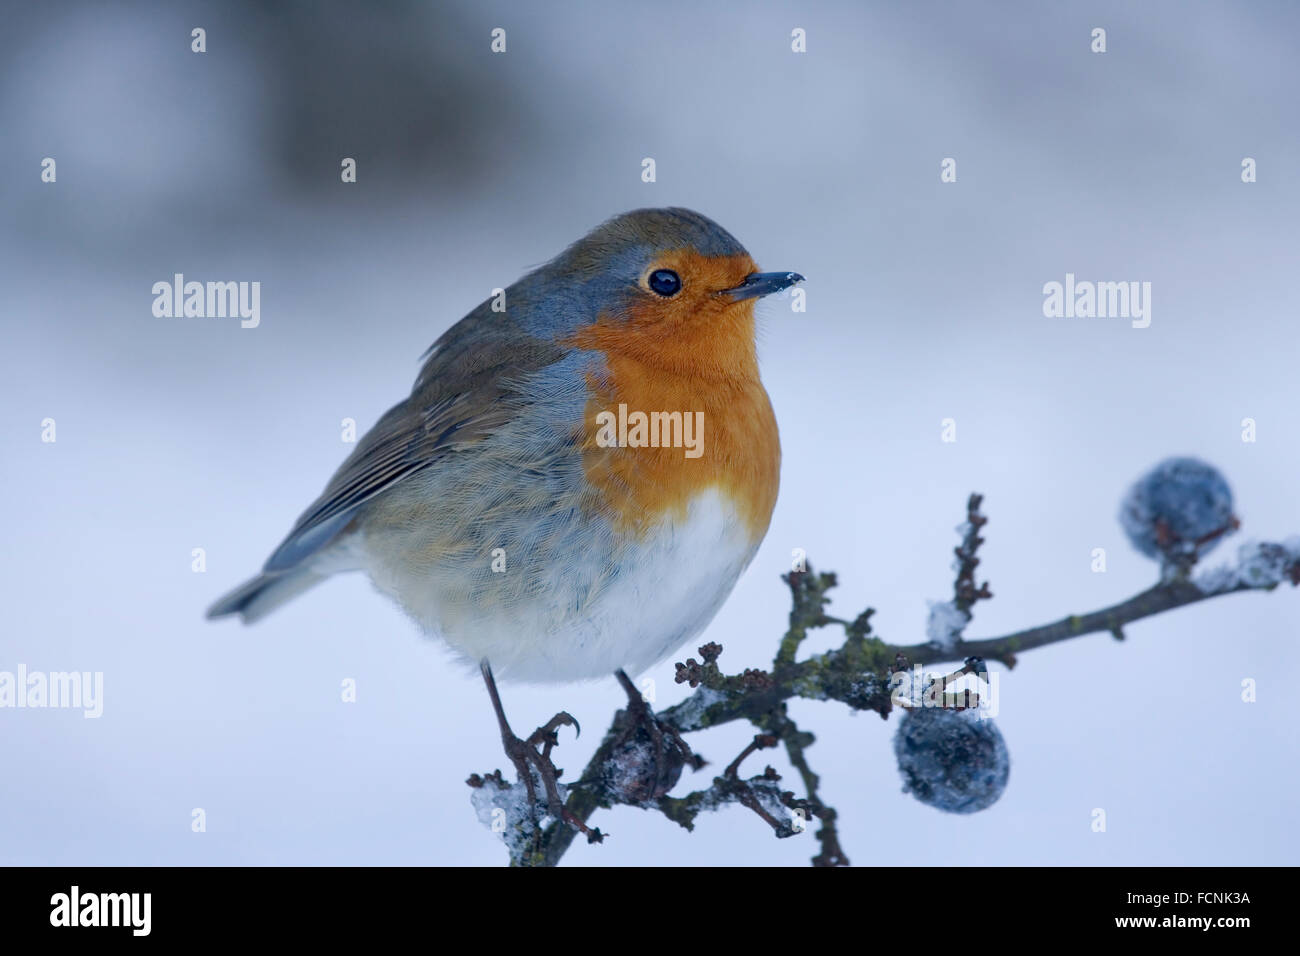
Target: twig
[796, 742]
[965, 593]
[857, 674]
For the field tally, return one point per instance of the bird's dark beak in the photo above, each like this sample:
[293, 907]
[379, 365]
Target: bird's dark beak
[762, 283]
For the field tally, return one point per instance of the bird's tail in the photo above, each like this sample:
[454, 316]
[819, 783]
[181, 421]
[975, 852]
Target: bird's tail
[255, 599]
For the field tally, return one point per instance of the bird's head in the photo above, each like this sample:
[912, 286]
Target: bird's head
[669, 286]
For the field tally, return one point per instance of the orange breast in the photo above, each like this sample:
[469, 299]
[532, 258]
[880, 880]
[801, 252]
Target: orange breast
[700, 365]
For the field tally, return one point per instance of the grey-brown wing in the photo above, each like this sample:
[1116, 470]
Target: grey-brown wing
[456, 401]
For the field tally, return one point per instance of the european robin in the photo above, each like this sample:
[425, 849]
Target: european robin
[584, 466]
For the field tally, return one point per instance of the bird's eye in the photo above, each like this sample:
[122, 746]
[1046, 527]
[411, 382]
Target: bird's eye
[665, 282]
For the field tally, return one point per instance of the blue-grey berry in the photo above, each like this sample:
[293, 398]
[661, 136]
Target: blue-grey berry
[636, 771]
[951, 759]
[1178, 511]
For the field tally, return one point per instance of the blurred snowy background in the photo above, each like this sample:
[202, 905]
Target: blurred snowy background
[924, 303]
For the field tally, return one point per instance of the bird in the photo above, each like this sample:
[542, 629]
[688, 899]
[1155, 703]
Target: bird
[584, 467]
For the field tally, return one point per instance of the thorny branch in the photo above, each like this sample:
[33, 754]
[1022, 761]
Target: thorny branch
[856, 673]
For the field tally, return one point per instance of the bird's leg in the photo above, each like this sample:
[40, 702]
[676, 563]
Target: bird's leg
[524, 754]
[670, 751]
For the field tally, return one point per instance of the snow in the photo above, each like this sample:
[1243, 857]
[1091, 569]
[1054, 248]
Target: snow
[946, 623]
[1260, 564]
[515, 823]
[690, 712]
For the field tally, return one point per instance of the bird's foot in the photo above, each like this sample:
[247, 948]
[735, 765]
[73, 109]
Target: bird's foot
[533, 764]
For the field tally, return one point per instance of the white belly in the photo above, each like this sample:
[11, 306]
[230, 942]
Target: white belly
[584, 606]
